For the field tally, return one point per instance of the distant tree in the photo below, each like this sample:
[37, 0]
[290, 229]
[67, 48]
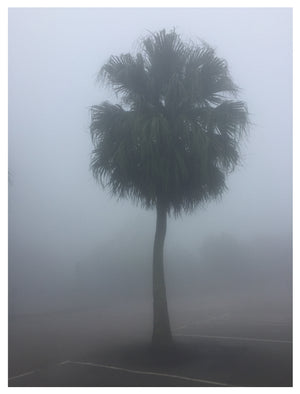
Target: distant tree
[172, 139]
[9, 178]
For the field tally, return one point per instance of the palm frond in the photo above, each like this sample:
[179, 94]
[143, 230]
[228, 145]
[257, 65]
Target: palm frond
[127, 76]
[178, 135]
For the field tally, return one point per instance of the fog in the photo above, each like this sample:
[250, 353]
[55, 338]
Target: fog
[72, 247]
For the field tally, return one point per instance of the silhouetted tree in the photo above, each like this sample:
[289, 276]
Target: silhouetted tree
[172, 139]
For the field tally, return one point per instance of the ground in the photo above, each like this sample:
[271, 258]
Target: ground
[110, 347]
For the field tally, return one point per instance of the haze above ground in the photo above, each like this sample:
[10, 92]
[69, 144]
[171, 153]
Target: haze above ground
[57, 210]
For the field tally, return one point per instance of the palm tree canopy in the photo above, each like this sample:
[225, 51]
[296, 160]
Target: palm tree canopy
[175, 134]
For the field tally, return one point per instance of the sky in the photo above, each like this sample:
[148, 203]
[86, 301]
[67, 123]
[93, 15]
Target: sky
[55, 206]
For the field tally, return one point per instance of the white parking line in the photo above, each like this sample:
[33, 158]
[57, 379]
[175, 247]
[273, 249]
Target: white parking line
[234, 338]
[34, 371]
[181, 327]
[22, 374]
[145, 372]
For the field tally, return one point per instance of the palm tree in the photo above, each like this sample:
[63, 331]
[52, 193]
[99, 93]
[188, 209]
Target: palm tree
[170, 141]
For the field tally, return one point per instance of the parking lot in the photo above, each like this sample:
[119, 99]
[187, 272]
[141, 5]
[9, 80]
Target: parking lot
[97, 348]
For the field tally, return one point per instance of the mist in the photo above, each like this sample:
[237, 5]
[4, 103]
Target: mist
[80, 258]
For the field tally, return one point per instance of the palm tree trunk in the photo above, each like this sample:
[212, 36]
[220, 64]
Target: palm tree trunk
[161, 325]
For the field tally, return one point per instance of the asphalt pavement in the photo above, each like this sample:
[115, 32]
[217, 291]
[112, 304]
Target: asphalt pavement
[64, 351]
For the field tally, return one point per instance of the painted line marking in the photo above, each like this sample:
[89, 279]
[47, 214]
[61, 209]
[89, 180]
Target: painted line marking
[235, 338]
[34, 371]
[64, 362]
[22, 374]
[197, 323]
[181, 327]
[145, 372]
